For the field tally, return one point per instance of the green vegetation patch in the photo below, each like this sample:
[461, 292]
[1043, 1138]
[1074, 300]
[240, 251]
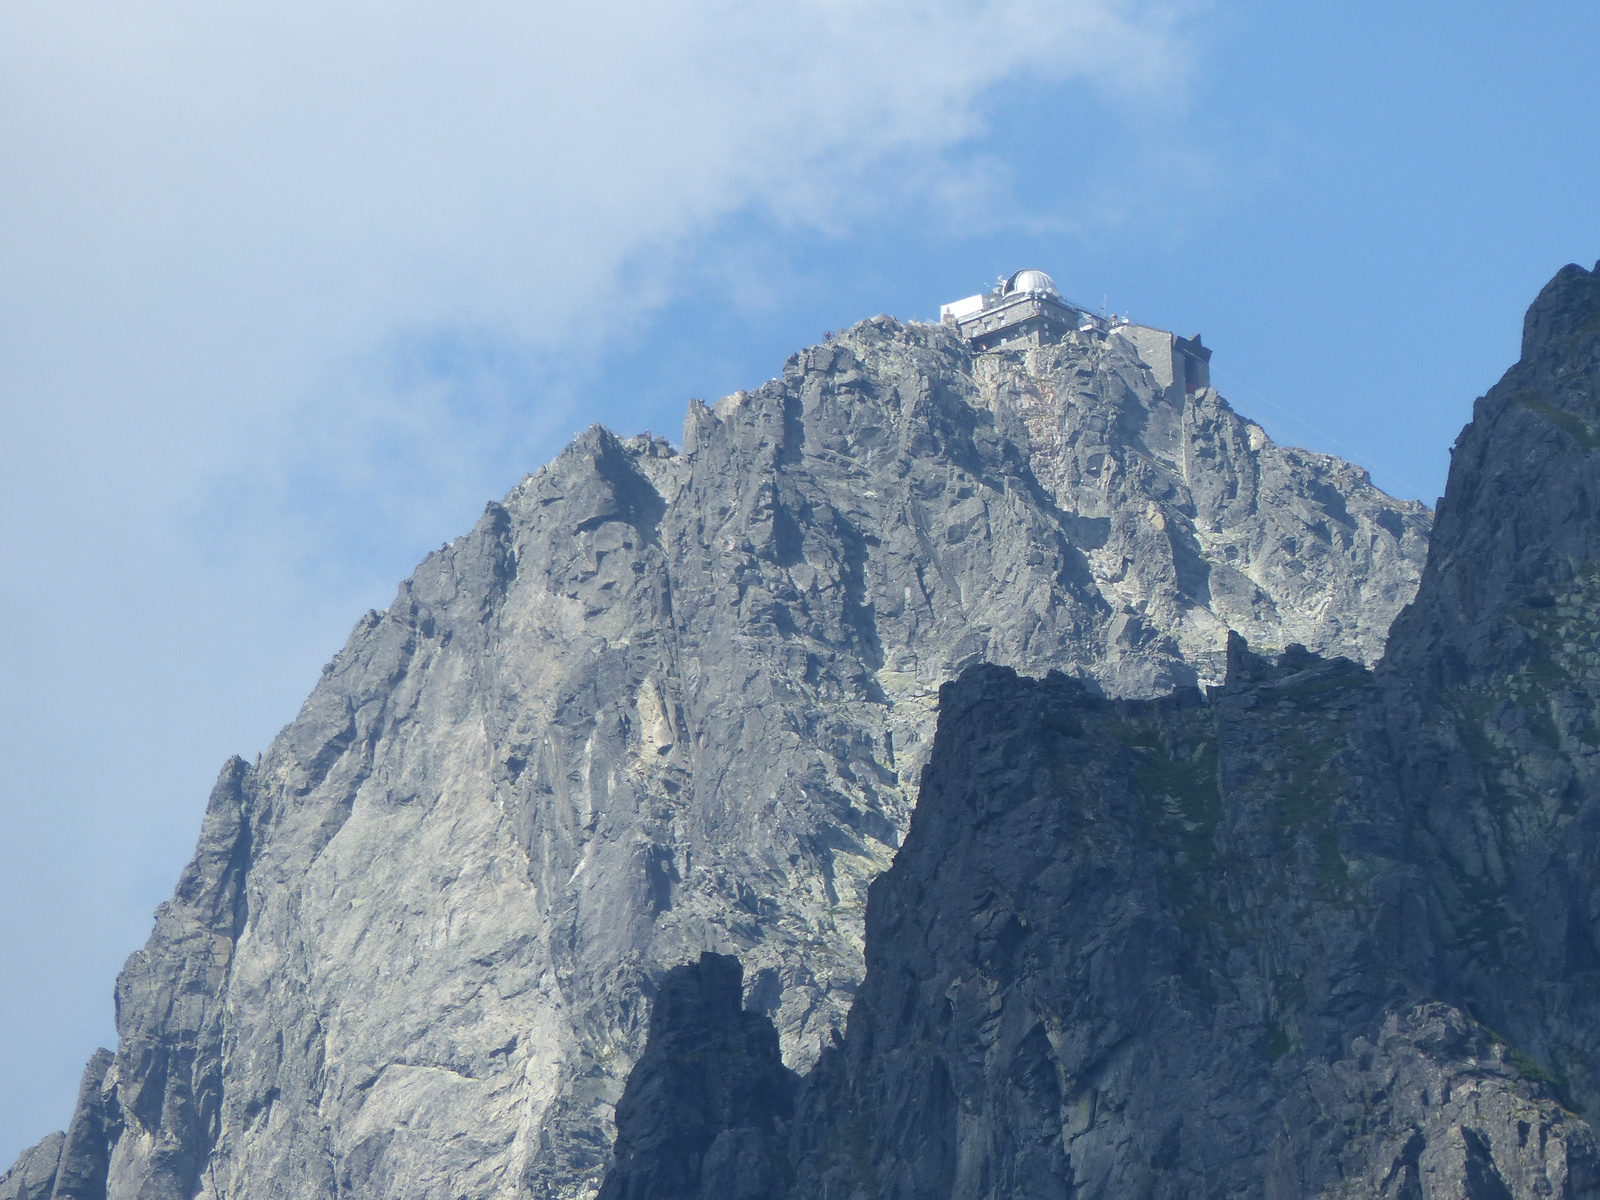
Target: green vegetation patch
[1183, 795]
[1530, 1069]
[1563, 649]
[1472, 712]
[1332, 871]
[1578, 430]
[1181, 811]
[1588, 329]
[1564, 629]
[1278, 1042]
[1305, 789]
[1307, 786]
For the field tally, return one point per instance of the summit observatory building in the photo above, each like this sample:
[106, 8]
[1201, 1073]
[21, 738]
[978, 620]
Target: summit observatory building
[1026, 309]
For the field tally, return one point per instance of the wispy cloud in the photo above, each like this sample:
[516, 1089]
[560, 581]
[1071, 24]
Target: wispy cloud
[220, 218]
[283, 286]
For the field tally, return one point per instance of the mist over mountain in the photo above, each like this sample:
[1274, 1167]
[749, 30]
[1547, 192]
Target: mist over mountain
[668, 700]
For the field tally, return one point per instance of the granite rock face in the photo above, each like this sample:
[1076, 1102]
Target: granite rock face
[666, 701]
[1193, 524]
[1322, 931]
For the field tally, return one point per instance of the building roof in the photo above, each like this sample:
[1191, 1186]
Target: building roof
[1030, 281]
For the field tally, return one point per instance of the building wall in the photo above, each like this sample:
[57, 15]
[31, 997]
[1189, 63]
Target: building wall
[958, 309]
[1005, 321]
[1155, 348]
[1197, 364]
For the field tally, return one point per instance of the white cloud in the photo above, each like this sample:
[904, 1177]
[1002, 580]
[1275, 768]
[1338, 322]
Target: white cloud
[228, 232]
[209, 206]
[211, 211]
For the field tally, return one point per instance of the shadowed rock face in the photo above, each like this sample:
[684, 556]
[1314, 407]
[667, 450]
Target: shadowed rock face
[71, 1165]
[707, 1109]
[659, 702]
[33, 1176]
[1175, 948]
[1497, 666]
[1322, 931]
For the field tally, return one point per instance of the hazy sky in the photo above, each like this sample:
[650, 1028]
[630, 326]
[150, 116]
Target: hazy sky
[288, 291]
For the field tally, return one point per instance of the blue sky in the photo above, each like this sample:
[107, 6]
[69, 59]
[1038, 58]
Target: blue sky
[287, 293]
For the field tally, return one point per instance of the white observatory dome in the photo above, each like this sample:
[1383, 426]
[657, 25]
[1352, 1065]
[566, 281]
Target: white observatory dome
[1031, 281]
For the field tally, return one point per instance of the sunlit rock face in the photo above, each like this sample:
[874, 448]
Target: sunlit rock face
[1321, 931]
[661, 701]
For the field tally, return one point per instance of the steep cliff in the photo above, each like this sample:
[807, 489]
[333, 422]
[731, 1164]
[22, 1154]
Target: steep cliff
[707, 1110]
[1322, 931]
[1174, 948]
[1496, 671]
[662, 701]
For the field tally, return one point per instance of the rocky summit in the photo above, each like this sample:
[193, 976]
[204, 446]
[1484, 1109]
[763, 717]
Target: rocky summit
[665, 701]
[1322, 931]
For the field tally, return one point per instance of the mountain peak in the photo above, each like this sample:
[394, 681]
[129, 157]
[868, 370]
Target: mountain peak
[659, 703]
[1518, 524]
[1323, 931]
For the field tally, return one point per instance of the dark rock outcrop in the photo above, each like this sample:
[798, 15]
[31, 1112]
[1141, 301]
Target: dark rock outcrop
[72, 1165]
[1495, 674]
[96, 1125]
[33, 1176]
[664, 701]
[707, 1109]
[1173, 948]
[1322, 931]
